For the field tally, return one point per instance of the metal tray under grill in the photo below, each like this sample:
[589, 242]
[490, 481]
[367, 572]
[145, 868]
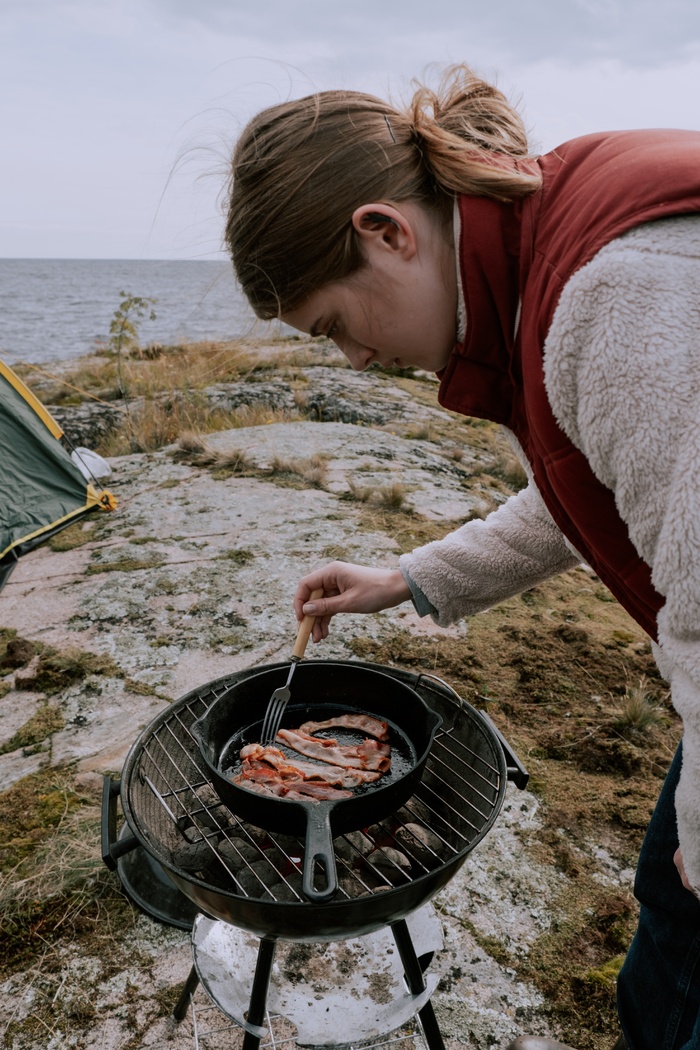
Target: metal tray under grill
[235, 872]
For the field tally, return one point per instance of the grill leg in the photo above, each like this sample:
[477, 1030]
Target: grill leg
[416, 984]
[258, 995]
[187, 993]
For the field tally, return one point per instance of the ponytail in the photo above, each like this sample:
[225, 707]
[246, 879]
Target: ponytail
[301, 168]
[472, 137]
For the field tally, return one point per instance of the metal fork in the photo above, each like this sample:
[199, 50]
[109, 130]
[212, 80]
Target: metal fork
[280, 698]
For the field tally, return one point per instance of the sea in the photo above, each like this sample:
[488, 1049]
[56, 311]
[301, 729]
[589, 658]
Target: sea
[59, 309]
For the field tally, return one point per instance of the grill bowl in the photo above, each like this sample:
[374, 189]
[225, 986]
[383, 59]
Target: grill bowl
[165, 788]
[327, 688]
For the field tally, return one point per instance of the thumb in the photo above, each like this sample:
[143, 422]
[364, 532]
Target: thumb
[321, 606]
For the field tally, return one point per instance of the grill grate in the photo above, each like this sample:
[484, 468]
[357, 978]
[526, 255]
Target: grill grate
[188, 828]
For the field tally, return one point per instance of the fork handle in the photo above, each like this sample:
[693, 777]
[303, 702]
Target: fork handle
[305, 628]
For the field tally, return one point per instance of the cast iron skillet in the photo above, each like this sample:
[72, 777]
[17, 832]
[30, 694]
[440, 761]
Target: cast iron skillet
[320, 690]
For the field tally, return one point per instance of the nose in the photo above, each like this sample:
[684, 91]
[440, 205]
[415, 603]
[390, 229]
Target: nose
[359, 356]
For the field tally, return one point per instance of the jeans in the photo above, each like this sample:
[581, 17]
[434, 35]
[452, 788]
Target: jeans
[658, 990]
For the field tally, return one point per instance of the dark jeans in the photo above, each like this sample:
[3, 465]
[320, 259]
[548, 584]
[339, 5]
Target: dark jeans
[658, 991]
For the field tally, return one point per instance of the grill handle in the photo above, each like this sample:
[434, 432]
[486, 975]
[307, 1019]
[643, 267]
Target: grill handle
[112, 847]
[515, 770]
[514, 767]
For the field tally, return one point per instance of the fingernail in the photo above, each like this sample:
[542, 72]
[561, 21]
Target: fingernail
[309, 609]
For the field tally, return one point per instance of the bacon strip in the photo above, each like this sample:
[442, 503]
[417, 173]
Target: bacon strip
[371, 754]
[255, 756]
[269, 771]
[276, 791]
[304, 791]
[362, 723]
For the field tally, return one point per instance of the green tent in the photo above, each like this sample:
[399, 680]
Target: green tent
[41, 489]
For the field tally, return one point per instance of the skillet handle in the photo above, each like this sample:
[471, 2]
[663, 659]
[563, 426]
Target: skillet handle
[318, 854]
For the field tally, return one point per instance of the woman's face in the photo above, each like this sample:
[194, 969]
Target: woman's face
[400, 308]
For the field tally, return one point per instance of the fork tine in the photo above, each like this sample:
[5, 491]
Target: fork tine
[273, 715]
[275, 709]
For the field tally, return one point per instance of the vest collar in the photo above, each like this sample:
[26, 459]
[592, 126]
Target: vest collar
[479, 378]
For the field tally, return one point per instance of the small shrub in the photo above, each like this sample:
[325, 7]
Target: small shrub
[124, 326]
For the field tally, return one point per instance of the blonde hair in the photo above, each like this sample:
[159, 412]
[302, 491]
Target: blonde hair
[301, 168]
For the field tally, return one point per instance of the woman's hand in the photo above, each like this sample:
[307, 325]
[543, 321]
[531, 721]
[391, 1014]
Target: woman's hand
[348, 588]
[678, 861]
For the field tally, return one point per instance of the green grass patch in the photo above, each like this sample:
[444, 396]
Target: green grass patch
[42, 724]
[76, 535]
[31, 810]
[57, 670]
[238, 555]
[125, 564]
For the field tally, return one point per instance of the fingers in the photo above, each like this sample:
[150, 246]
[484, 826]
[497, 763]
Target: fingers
[321, 628]
[347, 588]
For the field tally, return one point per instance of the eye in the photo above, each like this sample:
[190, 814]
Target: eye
[332, 330]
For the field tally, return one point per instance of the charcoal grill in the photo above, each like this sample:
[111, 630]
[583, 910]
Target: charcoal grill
[235, 873]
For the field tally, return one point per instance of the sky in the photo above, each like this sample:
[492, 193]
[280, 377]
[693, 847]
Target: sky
[117, 117]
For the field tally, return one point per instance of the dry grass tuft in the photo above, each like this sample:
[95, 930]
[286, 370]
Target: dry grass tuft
[193, 449]
[157, 422]
[638, 713]
[162, 394]
[509, 469]
[59, 891]
[191, 443]
[393, 496]
[313, 471]
[389, 497]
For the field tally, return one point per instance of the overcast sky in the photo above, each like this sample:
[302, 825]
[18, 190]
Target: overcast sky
[117, 116]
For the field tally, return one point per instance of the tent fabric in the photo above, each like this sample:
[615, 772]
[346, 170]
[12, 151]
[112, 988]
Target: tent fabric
[41, 489]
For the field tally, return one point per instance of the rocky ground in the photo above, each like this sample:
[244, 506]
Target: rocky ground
[191, 579]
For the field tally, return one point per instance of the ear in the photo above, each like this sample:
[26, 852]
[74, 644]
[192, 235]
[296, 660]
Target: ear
[381, 226]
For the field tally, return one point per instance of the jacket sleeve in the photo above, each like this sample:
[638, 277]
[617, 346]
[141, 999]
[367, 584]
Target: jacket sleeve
[484, 562]
[622, 367]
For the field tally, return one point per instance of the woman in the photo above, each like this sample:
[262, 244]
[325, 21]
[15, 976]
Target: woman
[559, 296]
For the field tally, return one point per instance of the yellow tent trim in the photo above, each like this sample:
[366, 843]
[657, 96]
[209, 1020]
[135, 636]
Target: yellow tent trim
[50, 528]
[43, 414]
